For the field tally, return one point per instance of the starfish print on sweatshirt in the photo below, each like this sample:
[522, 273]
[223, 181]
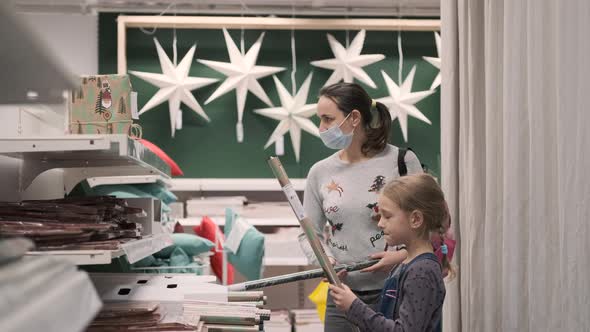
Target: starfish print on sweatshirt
[333, 186]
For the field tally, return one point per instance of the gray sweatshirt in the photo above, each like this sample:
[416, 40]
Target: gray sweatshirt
[345, 196]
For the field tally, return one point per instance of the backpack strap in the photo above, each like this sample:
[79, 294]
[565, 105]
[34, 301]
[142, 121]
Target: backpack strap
[401, 161]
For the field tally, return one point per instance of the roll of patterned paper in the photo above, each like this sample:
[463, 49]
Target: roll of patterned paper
[245, 296]
[239, 304]
[220, 304]
[203, 309]
[258, 304]
[230, 318]
[304, 221]
[297, 276]
[230, 328]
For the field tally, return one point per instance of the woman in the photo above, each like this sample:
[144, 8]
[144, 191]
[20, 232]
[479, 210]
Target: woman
[342, 190]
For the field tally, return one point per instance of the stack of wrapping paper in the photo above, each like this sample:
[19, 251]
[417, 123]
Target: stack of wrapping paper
[89, 223]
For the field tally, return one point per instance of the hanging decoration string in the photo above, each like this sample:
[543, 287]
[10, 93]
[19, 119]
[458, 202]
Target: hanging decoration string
[347, 30]
[242, 43]
[239, 125]
[401, 57]
[175, 55]
[153, 31]
[242, 46]
[175, 61]
[293, 53]
[399, 47]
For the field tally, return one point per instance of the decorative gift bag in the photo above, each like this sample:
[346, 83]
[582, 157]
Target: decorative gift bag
[102, 105]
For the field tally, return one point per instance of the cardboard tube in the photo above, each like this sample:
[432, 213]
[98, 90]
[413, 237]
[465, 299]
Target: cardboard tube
[245, 296]
[305, 222]
[231, 328]
[297, 276]
[235, 318]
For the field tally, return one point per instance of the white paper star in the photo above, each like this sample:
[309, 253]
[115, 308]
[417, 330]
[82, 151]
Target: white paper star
[348, 62]
[242, 74]
[435, 62]
[401, 101]
[175, 85]
[293, 114]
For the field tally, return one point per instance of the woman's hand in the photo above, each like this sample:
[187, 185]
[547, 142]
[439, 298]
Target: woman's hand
[342, 296]
[333, 262]
[388, 260]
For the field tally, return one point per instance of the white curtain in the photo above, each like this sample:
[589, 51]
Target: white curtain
[515, 155]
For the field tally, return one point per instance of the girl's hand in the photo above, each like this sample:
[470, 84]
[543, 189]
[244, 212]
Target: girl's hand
[388, 260]
[343, 296]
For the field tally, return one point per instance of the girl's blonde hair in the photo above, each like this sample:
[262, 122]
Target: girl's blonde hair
[421, 192]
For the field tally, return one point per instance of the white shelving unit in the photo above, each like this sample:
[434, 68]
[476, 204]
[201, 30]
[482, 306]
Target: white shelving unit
[285, 261]
[83, 157]
[131, 179]
[44, 291]
[103, 159]
[153, 287]
[232, 184]
[220, 221]
[134, 250]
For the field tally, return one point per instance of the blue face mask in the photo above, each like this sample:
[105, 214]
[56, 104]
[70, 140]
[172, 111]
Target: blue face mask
[334, 138]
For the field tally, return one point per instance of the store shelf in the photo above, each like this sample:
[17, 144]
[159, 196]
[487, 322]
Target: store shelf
[134, 250]
[46, 294]
[82, 157]
[283, 249]
[220, 221]
[205, 184]
[106, 282]
[285, 261]
[158, 287]
[131, 179]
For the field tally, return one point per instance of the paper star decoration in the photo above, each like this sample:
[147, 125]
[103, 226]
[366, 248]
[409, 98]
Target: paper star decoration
[401, 101]
[175, 85]
[293, 115]
[348, 62]
[435, 62]
[242, 74]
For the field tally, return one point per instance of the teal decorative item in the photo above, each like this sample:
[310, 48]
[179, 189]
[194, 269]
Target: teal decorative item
[179, 258]
[249, 254]
[191, 244]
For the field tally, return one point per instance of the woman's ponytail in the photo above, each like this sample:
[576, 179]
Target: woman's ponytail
[377, 129]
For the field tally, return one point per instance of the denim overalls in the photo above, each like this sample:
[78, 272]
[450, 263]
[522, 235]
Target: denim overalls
[392, 288]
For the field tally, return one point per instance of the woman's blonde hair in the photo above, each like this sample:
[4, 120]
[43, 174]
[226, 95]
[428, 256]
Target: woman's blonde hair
[421, 192]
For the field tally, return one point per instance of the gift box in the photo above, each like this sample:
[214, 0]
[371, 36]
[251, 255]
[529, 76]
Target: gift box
[101, 105]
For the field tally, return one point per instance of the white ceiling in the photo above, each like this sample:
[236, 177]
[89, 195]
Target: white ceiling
[411, 8]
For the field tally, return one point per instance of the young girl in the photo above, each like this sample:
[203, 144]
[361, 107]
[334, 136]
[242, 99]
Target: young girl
[411, 207]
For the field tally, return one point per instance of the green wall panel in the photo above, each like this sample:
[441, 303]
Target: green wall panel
[210, 150]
